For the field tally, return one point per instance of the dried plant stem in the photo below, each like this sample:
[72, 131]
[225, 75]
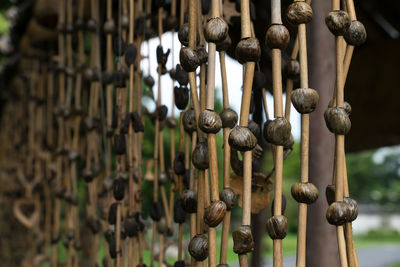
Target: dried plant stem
[339, 144]
[244, 118]
[305, 127]
[278, 112]
[227, 156]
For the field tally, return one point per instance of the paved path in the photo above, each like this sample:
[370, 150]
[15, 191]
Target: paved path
[382, 256]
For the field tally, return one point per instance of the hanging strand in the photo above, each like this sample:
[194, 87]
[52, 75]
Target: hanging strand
[305, 101]
[277, 38]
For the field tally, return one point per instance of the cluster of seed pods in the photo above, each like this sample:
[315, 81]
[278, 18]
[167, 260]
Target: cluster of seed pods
[86, 119]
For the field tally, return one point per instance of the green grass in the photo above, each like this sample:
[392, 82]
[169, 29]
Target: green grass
[373, 238]
[377, 237]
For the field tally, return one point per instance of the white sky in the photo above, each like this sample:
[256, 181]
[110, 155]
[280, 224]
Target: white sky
[234, 77]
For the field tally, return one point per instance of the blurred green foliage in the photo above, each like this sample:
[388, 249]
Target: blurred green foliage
[375, 182]
[4, 24]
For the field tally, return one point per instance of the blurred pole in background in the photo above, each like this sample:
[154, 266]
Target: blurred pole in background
[321, 238]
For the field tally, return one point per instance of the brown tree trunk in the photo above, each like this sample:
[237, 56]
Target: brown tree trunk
[321, 236]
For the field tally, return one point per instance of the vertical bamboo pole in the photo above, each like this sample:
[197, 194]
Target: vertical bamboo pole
[244, 118]
[339, 140]
[278, 112]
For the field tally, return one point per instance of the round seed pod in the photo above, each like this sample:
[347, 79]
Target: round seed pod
[119, 144]
[346, 106]
[130, 226]
[330, 193]
[130, 54]
[254, 128]
[215, 30]
[66, 242]
[112, 213]
[91, 25]
[162, 178]
[119, 46]
[55, 238]
[107, 77]
[277, 227]
[242, 240]
[109, 26]
[198, 247]
[119, 189]
[162, 112]
[149, 81]
[277, 37]
[179, 163]
[181, 94]
[137, 123]
[257, 152]
[289, 143]
[299, 13]
[112, 247]
[79, 24]
[189, 201]
[228, 197]
[140, 219]
[283, 205]
[119, 79]
[179, 212]
[202, 54]
[181, 75]
[179, 264]
[70, 72]
[189, 121]
[338, 21]
[338, 213]
[94, 224]
[355, 34]
[304, 192]
[108, 234]
[337, 120]
[242, 139]
[277, 131]
[229, 118]
[305, 100]
[172, 74]
[200, 156]
[77, 244]
[89, 75]
[189, 59]
[124, 21]
[183, 34]
[248, 50]
[353, 208]
[162, 226]
[236, 163]
[292, 69]
[156, 211]
[224, 44]
[70, 234]
[215, 213]
[171, 123]
[162, 57]
[209, 121]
